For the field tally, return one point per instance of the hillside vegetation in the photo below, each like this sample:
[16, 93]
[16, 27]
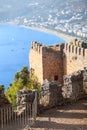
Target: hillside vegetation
[22, 80]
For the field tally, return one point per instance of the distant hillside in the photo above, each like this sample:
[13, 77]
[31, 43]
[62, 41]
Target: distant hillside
[13, 8]
[66, 16]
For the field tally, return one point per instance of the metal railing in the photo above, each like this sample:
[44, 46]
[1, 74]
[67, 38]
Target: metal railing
[10, 119]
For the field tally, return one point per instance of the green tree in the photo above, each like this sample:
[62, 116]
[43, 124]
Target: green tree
[2, 87]
[22, 79]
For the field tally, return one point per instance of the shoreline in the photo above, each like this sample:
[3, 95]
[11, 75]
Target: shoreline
[65, 37]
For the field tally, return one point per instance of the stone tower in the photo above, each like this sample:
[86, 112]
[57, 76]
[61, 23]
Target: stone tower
[53, 62]
[47, 61]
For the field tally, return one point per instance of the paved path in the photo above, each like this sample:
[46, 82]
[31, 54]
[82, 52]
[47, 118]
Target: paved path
[69, 117]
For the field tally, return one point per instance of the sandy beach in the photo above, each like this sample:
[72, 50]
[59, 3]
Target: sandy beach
[63, 36]
[67, 38]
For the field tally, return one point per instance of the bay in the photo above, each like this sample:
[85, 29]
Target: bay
[15, 43]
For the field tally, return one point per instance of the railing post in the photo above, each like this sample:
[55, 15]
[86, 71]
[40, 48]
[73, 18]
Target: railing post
[2, 118]
[35, 104]
[9, 119]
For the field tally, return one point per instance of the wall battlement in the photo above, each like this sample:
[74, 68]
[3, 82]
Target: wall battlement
[75, 56]
[57, 47]
[79, 43]
[76, 47]
[39, 47]
[72, 49]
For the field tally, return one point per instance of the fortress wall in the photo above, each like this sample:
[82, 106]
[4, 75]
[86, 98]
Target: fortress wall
[35, 58]
[74, 59]
[47, 61]
[53, 64]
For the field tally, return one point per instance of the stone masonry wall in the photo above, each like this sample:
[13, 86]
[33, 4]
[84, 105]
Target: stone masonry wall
[24, 97]
[74, 86]
[47, 62]
[53, 63]
[35, 58]
[51, 94]
[74, 57]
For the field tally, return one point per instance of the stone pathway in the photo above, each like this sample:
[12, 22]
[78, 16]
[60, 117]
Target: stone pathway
[70, 117]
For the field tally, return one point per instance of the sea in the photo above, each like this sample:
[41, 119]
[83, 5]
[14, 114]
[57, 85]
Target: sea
[15, 43]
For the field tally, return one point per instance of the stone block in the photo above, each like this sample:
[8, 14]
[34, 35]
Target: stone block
[51, 94]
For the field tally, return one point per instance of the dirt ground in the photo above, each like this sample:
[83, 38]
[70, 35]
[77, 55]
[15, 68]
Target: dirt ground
[69, 117]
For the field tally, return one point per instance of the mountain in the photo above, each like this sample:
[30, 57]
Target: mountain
[15, 8]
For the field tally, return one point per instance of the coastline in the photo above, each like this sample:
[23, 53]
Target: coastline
[63, 36]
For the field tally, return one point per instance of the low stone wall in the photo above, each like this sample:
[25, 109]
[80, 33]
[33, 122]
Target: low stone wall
[25, 96]
[75, 85]
[25, 113]
[51, 94]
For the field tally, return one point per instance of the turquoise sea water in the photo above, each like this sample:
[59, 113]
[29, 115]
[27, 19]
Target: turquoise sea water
[15, 44]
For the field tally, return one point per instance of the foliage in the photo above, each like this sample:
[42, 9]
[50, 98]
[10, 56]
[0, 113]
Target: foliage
[22, 80]
[2, 87]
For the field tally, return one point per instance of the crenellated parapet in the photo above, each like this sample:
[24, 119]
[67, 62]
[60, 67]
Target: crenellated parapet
[57, 47]
[75, 56]
[53, 49]
[79, 43]
[74, 49]
[37, 46]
